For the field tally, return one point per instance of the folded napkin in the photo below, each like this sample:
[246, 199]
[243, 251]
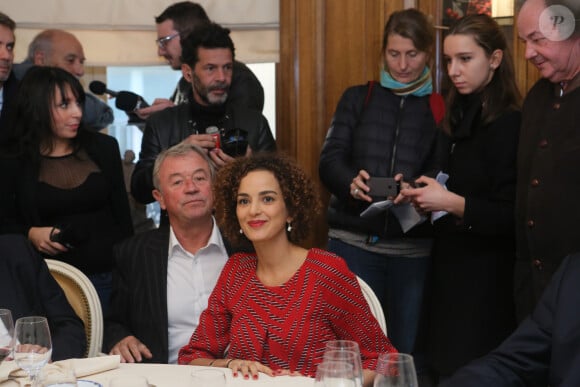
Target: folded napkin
[81, 367]
[6, 367]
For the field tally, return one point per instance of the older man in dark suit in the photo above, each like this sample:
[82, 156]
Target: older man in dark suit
[162, 278]
[28, 289]
[544, 350]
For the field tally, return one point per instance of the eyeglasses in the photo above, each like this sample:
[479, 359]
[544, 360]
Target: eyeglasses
[162, 42]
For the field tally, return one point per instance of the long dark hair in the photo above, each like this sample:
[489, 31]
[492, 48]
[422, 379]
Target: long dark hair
[32, 121]
[501, 93]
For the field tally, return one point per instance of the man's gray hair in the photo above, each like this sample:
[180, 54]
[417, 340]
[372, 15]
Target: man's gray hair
[180, 150]
[42, 42]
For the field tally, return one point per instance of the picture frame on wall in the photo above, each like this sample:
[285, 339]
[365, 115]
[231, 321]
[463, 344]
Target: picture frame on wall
[455, 9]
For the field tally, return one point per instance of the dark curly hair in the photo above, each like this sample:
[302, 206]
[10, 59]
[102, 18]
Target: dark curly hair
[299, 192]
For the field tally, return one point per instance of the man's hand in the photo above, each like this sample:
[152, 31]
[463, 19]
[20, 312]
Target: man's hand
[206, 141]
[131, 350]
[158, 104]
[219, 157]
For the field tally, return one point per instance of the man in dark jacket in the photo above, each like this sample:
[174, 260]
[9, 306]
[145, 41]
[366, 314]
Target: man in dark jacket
[162, 278]
[548, 184]
[28, 289]
[544, 350]
[207, 57]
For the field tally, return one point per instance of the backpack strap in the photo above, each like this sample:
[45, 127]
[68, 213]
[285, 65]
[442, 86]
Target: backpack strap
[370, 85]
[437, 105]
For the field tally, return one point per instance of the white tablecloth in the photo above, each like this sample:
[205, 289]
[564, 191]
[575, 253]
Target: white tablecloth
[163, 375]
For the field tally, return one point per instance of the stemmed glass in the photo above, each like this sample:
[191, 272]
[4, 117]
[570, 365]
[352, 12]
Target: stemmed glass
[6, 334]
[349, 346]
[33, 347]
[348, 357]
[335, 374]
[395, 370]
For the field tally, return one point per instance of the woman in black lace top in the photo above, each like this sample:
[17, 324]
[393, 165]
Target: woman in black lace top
[72, 195]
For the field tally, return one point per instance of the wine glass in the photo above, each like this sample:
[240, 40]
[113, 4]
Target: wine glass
[32, 347]
[348, 345]
[6, 334]
[208, 377]
[395, 370]
[349, 357]
[335, 374]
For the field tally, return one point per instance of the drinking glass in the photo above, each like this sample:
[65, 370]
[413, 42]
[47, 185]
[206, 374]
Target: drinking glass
[395, 370]
[335, 374]
[6, 334]
[208, 377]
[32, 345]
[129, 381]
[348, 345]
[349, 357]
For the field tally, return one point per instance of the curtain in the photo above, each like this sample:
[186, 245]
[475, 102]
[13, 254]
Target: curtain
[122, 32]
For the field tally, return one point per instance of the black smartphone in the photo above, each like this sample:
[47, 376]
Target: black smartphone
[383, 187]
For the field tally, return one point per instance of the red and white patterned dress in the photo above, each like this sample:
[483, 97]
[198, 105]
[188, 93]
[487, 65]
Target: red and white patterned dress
[286, 327]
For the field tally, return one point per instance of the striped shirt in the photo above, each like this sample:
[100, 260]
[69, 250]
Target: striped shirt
[286, 327]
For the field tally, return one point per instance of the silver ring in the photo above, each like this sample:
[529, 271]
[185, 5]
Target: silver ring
[355, 191]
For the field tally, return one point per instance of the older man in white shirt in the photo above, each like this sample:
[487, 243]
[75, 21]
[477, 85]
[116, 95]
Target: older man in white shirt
[162, 278]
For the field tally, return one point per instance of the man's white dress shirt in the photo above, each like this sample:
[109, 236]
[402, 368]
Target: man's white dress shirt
[190, 280]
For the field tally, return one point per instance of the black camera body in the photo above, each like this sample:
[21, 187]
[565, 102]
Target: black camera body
[234, 142]
[69, 236]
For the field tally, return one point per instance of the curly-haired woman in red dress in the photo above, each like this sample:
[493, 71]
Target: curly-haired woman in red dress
[277, 306]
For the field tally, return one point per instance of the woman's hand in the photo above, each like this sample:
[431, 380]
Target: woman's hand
[40, 238]
[249, 367]
[358, 187]
[434, 197]
[403, 185]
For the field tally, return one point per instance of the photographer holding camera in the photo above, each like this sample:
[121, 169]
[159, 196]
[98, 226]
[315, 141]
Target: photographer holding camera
[207, 58]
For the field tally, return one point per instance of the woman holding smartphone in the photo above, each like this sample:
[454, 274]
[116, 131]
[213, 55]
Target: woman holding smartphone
[471, 305]
[378, 131]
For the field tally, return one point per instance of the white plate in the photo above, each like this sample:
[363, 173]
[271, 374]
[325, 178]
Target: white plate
[88, 383]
